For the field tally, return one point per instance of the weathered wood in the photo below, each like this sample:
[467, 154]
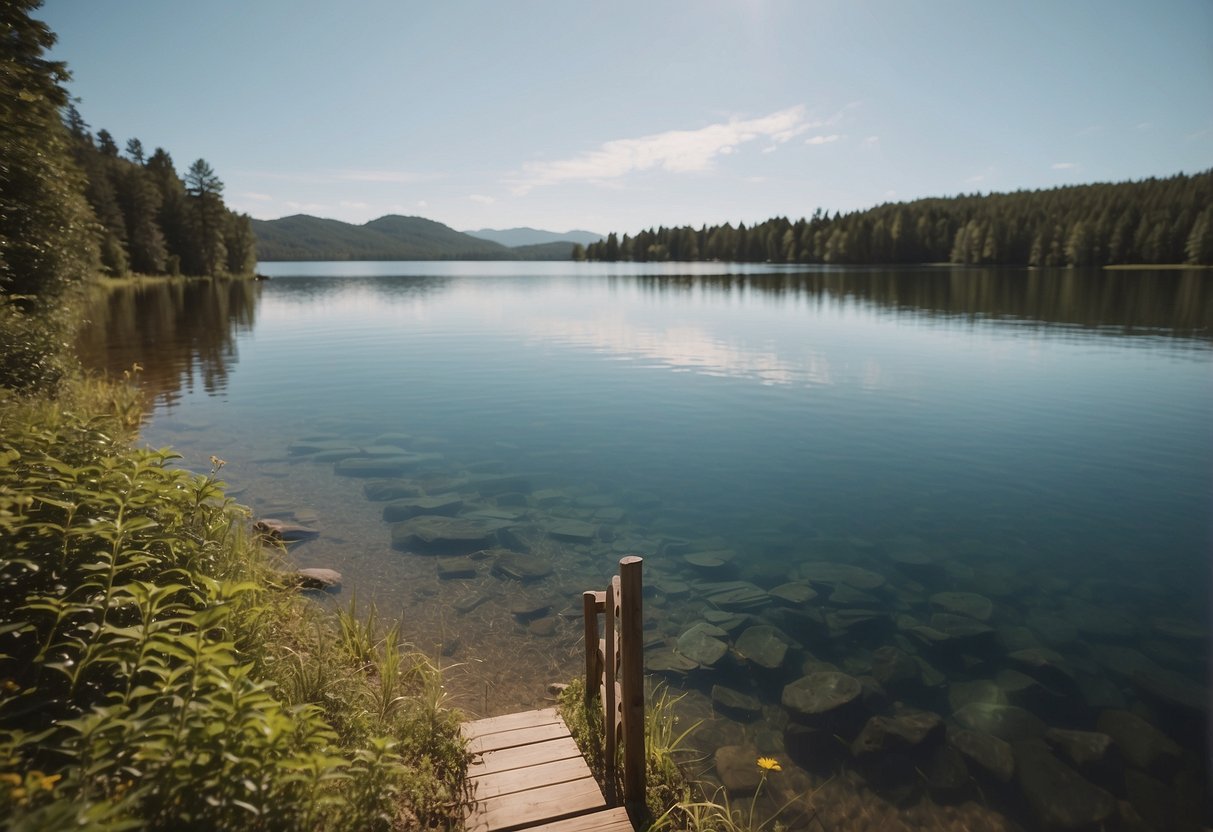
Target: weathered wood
[542, 804]
[517, 737]
[632, 670]
[608, 820]
[508, 722]
[610, 689]
[589, 610]
[530, 777]
[521, 757]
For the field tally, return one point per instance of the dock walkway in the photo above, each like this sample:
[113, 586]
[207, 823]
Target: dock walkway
[527, 773]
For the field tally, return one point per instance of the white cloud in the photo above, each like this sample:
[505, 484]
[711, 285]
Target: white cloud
[394, 177]
[481, 199]
[306, 207]
[870, 141]
[674, 151]
[257, 197]
[833, 137]
[345, 203]
[1063, 166]
[421, 203]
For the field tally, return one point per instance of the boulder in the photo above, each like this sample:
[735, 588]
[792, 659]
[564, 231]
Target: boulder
[318, 578]
[764, 646]
[982, 691]
[828, 573]
[1007, 722]
[989, 753]
[444, 505]
[667, 661]
[794, 593]
[519, 566]
[737, 768]
[734, 595]
[820, 697]
[436, 535]
[968, 604]
[572, 530]
[1060, 797]
[702, 644]
[1142, 745]
[901, 732]
[735, 702]
[1082, 749]
[895, 669]
[280, 530]
[381, 466]
[455, 568]
[1172, 690]
[379, 491]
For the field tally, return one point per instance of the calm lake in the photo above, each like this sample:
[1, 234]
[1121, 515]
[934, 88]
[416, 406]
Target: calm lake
[983, 494]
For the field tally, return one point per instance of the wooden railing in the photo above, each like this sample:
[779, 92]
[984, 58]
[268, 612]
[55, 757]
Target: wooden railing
[614, 671]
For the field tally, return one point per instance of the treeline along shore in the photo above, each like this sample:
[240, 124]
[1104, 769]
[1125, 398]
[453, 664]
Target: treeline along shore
[1154, 221]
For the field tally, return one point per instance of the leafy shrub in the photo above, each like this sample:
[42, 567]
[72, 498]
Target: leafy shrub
[144, 646]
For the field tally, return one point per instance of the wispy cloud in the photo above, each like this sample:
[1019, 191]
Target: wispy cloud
[1063, 165]
[257, 197]
[870, 142]
[675, 151]
[833, 137]
[481, 199]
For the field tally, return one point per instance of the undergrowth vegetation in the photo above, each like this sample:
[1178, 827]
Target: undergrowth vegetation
[157, 671]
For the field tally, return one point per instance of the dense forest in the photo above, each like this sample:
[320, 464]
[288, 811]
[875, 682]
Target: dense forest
[71, 203]
[1151, 221]
[151, 221]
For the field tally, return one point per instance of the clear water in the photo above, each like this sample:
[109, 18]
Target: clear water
[1042, 439]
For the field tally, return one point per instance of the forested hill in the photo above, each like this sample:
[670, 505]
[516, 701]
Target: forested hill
[303, 237]
[1151, 221]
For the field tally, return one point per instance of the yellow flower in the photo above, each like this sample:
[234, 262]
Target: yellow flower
[769, 764]
[10, 777]
[48, 783]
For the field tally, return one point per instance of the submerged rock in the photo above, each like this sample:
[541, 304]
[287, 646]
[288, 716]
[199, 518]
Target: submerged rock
[381, 466]
[795, 593]
[988, 752]
[1061, 797]
[1006, 722]
[980, 691]
[829, 573]
[667, 661]
[280, 530]
[737, 768]
[445, 505]
[1143, 745]
[818, 696]
[520, 567]
[764, 646]
[734, 595]
[435, 535]
[1083, 749]
[901, 732]
[318, 578]
[702, 644]
[964, 603]
[736, 702]
[379, 491]
[574, 530]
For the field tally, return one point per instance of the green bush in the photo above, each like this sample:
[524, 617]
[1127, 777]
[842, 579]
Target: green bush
[146, 644]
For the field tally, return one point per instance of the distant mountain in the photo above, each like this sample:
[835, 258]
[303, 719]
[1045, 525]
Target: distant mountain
[514, 237]
[303, 237]
[562, 250]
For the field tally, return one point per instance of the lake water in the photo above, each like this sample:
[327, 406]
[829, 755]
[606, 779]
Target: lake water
[981, 494]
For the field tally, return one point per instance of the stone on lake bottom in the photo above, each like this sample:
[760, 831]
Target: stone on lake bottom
[794, 593]
[987, 751]
[318, 578]
[737, 768]
[1143, 745]
[1006, 722]
[817, 694]
[736, 702]
[434, 535]
[446, 505]
[1061, 797]
[520, 567]
[700, 645]
[574, 530]
[764, 646]
[885, 734]
[455, 568]
[964, 603]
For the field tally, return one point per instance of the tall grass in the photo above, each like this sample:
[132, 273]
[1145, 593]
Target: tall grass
[155, 672]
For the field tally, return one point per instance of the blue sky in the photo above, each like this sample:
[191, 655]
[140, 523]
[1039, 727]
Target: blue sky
[623, 115]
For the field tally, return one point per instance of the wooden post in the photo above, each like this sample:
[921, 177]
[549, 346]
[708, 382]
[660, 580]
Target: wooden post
[589, 608]
[610, 687]
[632, 670]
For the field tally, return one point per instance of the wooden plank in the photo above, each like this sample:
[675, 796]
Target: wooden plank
[632, 670]
[508, 722]
[521, 779]
[543, 804]
[522, 757]
[519, 736]
[610, 820]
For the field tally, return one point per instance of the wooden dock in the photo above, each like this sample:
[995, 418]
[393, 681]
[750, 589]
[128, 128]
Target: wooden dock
[527, 773]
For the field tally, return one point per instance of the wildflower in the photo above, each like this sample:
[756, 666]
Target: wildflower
[10, 777]
[48, 783]
[10, 686]
[769, 764]
[217, 463]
